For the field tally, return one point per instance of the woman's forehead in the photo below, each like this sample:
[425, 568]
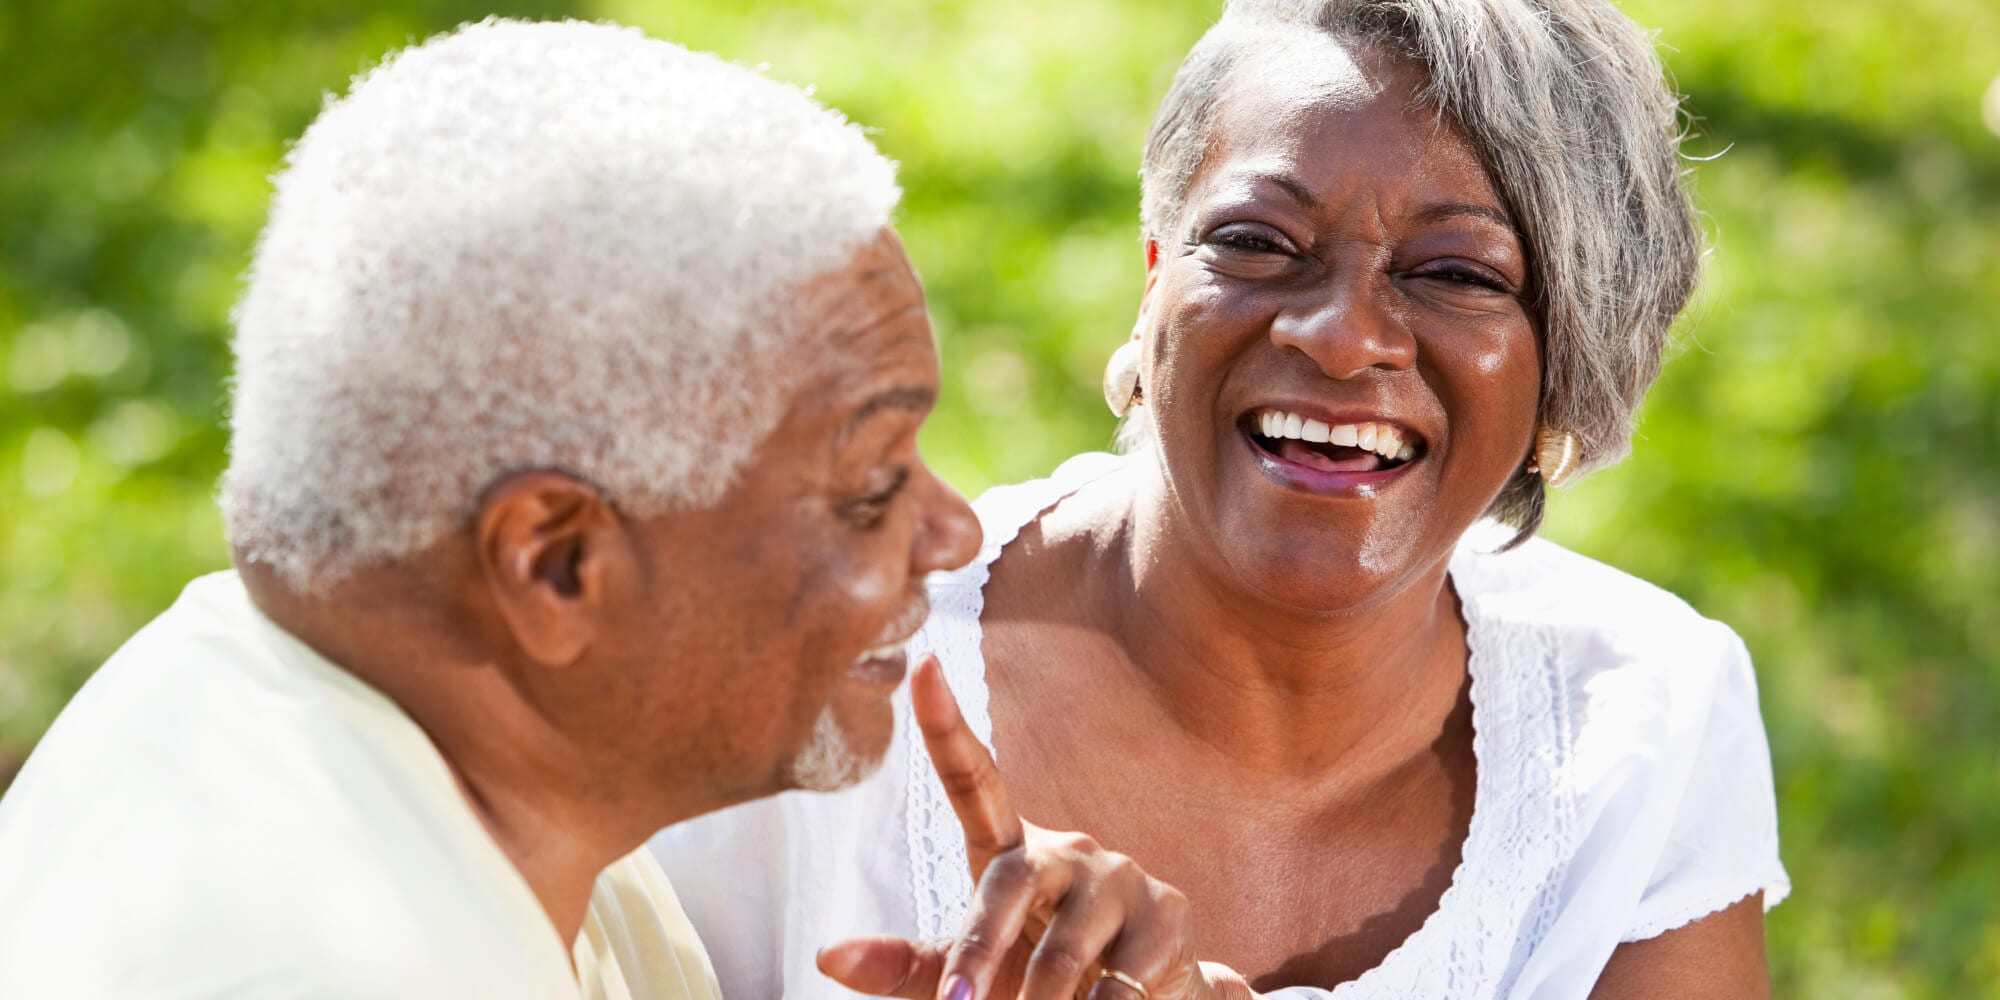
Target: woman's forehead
[1323, 108]
[1294, 79]
[1311, 67]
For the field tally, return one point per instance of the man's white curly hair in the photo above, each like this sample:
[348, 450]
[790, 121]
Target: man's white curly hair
[529, 245]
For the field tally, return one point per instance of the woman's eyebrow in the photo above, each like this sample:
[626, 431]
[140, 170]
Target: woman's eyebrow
[1243, 184]
[1429, 213]
[1299, 192]
[1465, 209]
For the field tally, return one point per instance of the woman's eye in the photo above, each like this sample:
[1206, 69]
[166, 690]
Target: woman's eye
[1472, 277]
[1248, 239]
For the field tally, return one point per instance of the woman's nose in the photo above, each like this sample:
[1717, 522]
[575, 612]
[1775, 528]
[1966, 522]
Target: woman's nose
[948, 533]
[1345, 331]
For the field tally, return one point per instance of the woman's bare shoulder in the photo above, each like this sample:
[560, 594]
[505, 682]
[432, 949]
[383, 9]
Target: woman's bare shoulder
[1050, 546]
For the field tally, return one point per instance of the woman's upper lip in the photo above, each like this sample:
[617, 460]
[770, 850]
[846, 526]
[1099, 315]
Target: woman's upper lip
[1335, 417]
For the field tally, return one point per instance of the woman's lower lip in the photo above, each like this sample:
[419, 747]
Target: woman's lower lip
[1292, 475]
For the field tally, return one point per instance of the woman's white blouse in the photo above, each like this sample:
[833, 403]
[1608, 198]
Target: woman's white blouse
[1623, 790]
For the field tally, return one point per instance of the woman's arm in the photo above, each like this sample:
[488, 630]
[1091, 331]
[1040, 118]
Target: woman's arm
[1719, 957]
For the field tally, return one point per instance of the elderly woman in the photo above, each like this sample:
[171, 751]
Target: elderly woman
[1409, 263]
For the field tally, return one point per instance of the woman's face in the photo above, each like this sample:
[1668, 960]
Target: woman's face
[1341, 364]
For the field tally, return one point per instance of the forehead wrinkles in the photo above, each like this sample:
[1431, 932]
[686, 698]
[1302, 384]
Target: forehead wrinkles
[880, 327]
[851, 305]
[877, 332]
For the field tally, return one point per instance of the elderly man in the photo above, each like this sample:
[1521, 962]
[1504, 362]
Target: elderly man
[573, 491]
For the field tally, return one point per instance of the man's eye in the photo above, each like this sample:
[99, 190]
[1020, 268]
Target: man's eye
[867, 509]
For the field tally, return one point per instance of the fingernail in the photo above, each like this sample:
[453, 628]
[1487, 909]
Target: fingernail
[838, 964]
[958, 988]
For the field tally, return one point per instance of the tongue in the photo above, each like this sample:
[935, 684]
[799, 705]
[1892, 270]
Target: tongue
[1329, 457]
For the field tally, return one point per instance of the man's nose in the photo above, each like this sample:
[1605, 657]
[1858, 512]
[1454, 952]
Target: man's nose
[948, 534]
[1345, 329]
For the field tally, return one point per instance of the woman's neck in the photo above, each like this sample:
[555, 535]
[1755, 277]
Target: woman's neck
[1354, 691]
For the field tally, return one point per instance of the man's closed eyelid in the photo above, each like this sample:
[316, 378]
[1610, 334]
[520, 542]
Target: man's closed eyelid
[881, 496]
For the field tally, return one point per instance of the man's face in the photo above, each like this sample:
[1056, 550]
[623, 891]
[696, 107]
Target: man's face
[776, 617]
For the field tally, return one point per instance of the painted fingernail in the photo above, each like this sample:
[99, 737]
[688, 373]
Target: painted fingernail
[958, 988]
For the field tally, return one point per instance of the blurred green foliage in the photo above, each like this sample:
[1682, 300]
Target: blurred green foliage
[1820, 466]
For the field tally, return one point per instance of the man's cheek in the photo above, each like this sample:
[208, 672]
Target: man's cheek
[866, 584]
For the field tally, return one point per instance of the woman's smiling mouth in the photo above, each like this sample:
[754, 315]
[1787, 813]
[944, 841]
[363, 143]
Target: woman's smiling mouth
[1322, 456]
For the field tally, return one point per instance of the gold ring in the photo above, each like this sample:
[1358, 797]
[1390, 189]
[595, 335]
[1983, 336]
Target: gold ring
[1119, 977]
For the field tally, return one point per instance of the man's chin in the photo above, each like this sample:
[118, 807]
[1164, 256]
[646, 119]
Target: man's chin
[832, 759]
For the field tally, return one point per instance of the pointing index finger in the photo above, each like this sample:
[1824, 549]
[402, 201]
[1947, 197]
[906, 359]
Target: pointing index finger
[971, 780]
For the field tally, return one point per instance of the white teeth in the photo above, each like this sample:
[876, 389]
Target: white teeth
[1385, 440]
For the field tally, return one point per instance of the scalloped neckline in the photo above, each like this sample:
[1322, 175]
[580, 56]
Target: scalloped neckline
[1479, 829]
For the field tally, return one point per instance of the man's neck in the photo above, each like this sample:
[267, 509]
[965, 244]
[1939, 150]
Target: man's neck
[557, 816]
[556, 842]
[560, 816]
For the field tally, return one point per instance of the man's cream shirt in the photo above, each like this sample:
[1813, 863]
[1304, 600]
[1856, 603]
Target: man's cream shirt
[223, 813]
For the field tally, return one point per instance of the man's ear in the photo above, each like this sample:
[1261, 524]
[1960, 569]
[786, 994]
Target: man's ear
[550, 548]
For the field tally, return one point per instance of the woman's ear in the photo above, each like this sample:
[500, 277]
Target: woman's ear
[1152, 278]
[549, 549]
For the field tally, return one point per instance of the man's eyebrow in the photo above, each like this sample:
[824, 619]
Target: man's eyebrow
[915, 398]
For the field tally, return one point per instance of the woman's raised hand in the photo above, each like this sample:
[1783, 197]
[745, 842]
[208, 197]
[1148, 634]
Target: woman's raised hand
[1054, 915]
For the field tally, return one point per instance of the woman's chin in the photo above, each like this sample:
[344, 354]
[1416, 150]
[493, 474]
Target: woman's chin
[1322, 568]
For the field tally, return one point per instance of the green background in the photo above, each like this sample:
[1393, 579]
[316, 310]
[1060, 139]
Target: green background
[1817, 467]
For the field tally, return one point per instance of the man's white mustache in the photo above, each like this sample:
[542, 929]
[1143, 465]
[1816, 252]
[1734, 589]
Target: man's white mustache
[905, 624]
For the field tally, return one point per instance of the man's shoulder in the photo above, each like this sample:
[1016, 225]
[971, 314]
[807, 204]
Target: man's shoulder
[204, 800]
[214, 899]
[193, 724]
[178, 917]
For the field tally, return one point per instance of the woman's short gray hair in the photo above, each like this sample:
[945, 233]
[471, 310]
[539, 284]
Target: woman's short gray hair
[1568, 107]
[529, 245]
